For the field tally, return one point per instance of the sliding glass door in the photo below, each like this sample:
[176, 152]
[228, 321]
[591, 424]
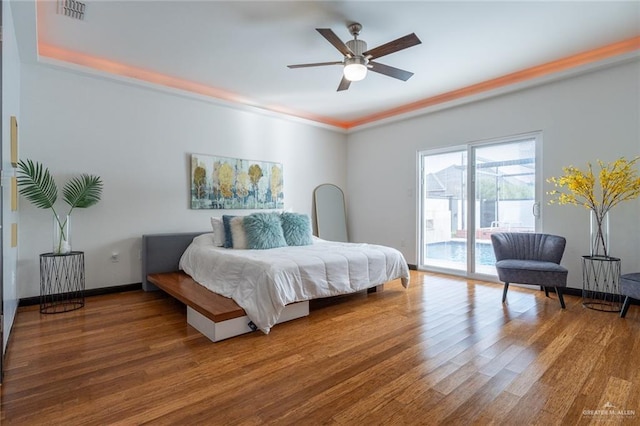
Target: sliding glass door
[469, 192]
[444, 211]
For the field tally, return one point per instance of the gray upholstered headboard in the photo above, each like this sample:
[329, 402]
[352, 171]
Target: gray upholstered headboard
[162, 252]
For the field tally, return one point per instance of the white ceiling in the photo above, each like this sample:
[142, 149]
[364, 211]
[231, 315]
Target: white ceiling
[243, 47]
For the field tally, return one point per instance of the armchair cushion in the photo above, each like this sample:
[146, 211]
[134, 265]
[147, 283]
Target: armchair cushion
[630, 285]
[534, 272]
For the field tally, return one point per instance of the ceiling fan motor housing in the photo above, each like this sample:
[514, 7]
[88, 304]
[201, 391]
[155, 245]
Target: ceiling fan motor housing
[357, 46]
[355, 67]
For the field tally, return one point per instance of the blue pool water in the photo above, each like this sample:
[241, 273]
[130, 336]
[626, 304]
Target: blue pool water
[456, 251]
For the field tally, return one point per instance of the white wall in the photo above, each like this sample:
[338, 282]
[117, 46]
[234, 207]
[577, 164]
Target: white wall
[10, 107]
[585, 118]
[139, 140]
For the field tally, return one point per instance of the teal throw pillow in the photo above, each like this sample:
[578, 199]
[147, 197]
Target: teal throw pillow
[228, 238]
[264, 231]
[296, 228]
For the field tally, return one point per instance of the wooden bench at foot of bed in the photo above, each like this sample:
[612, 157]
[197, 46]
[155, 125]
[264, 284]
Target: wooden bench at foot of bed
[213, 315]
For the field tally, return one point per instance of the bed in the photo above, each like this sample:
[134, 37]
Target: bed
[264, 287]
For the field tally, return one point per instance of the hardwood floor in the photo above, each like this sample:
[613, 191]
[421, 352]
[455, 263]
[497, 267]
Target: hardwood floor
[445, 351]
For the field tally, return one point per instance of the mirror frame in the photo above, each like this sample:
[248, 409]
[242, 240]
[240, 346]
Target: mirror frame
[331, 227]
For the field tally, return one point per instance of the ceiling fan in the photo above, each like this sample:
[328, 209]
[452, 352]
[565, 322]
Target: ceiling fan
[357, 59]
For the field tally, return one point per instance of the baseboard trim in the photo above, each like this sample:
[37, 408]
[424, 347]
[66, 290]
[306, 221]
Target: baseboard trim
[29, 301]
[572, 291]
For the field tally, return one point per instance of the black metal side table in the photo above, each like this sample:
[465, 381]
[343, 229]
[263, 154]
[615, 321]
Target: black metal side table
[600, 283]
[61, 282]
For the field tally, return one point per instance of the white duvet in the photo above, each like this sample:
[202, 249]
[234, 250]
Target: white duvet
[262, 282]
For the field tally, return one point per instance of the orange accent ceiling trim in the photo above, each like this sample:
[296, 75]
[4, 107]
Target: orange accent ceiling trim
[120, 69]
[111, 67]
[584, 58]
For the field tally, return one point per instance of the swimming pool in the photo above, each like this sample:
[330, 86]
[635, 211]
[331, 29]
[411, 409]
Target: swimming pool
[456, 251]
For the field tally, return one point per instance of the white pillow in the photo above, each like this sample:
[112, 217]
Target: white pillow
[218, 231]
[203, 240]
[238, 234]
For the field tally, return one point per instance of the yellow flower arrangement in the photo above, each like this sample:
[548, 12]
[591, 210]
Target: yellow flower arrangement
[619, 181]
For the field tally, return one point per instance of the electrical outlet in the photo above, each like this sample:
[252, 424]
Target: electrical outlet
[115, 257]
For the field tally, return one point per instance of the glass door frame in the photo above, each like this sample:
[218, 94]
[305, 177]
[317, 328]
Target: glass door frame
[470, 149]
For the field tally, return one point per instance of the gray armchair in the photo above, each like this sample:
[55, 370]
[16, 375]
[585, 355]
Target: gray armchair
[629, 287]
[526, 258]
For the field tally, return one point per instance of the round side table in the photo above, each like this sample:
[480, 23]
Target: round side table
[600, 283]
[61, 282]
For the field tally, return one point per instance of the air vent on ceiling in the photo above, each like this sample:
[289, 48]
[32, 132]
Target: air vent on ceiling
[71, 8]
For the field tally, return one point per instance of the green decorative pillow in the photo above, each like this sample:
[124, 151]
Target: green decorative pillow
[264, 231]
[296, 228]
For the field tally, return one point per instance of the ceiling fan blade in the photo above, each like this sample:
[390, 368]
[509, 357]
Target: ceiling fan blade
[335, 40]
[344, 84]
[393, 46]
[317, 64]
[390, 71]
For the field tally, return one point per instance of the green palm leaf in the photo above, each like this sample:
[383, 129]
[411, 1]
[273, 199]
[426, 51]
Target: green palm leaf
[82, 191]
[36, 184]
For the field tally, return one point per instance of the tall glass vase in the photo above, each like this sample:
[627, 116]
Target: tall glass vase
[599, 235]
[61, 234]
[601, 271]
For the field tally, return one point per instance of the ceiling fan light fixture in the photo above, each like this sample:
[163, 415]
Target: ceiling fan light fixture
[355, 69]
[358, 58]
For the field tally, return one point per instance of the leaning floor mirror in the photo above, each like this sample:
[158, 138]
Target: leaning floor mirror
[331, 218]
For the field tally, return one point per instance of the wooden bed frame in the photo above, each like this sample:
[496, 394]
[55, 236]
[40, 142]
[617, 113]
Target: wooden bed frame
[213, 315]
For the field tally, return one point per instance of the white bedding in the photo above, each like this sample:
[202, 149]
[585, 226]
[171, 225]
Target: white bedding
[262, 282]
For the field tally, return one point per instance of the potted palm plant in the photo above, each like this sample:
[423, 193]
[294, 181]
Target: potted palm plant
[37, 185]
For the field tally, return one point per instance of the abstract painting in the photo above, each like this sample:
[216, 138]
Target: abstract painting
[232, 183]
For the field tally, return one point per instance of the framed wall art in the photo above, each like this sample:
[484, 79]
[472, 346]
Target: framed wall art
[14, 235]
[14, 141]
[14, 193]
[232, 183]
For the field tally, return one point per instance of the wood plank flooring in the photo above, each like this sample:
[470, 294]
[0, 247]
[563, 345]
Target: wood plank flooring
[444, 351]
